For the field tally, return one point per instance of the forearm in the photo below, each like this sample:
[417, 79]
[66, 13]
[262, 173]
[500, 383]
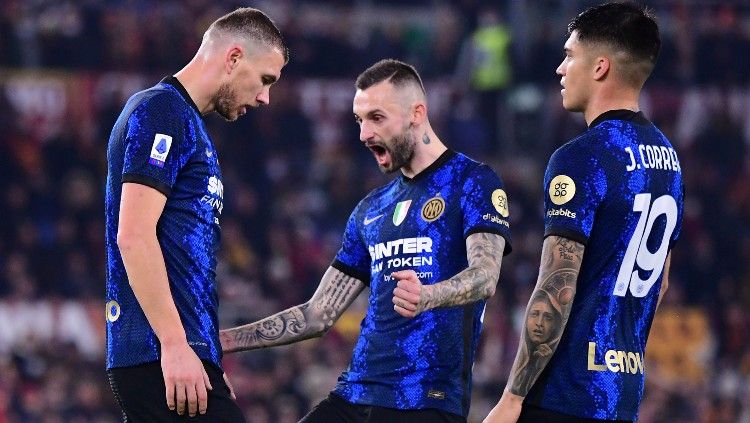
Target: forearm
[286, 327]
[334, 294]
[147, 275]
[476, 282]
[556, 286]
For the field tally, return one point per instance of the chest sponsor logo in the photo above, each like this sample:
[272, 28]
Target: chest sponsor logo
[399, 214]
[615, 361]
[113, 311]
[215, 196]
[392, 254]
[500, 201]
[160, 150]
[433, 209]
[369, 220]
[561, 189]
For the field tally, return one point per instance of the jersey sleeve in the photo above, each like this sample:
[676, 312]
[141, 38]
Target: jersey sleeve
[155, 145]
[574, 186]
[485, 205]
[353, 257]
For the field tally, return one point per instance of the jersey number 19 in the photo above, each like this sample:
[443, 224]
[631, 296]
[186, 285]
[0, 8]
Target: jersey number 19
[638, 256]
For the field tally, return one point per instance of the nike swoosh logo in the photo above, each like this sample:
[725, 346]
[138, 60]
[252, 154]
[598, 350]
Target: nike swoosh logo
[372, 219]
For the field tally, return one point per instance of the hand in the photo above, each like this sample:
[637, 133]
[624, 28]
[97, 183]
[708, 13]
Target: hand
[231, 388]
[185, 378]
[409, 297]
[507, 410]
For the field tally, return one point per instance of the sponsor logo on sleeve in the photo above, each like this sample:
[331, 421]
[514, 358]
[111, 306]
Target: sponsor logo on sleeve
[561, 189]
[160, 149]
[433, 209]
[500, 201]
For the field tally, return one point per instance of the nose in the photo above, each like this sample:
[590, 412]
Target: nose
[264, 97]
[365, 133]
[559, 69]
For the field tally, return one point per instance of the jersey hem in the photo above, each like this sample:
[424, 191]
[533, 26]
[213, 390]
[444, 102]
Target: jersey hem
[350, 271]
[148, 181]
[567, 233]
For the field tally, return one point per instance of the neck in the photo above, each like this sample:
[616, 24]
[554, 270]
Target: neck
[428, 149]
[197, 80]
[626, 99]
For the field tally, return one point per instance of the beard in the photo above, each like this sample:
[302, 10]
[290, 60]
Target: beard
[225, 103]
[401, 150]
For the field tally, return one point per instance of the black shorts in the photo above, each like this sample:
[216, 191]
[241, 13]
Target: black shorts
[335, 409]
[533, 414]
[140, 392]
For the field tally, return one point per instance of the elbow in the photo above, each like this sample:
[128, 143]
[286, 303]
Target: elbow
[493, 277]
[318, 325]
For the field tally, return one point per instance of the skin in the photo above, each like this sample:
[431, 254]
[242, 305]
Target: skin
[226, 76]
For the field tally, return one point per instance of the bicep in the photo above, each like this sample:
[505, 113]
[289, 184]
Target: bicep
[485, 249]
[140, 208]
[336, 292]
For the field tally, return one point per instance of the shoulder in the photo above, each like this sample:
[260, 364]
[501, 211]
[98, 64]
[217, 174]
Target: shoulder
[470, 168]
[160, 103]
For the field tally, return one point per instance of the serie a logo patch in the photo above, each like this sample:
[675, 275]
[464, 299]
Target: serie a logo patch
[160, 149]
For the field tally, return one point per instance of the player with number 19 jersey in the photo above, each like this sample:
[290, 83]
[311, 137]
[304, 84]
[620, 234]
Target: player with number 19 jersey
[618, 190]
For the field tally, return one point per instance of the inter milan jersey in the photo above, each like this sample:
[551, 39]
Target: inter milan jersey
[420, 224]
[618, 190]
[160, 140]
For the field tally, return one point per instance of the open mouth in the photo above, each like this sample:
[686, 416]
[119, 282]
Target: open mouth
[380, 153]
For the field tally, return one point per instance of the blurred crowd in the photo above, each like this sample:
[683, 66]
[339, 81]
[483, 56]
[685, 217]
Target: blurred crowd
[293, 172]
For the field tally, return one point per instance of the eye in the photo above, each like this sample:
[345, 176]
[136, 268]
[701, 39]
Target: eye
[377, 118]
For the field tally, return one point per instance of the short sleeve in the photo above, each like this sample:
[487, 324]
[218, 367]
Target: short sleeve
[484, 204]
[574, 186]
[353, 257]
[155, 143]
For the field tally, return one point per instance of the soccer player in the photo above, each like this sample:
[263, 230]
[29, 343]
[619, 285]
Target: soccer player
[164, 198]
[429, 244]
[613, 210]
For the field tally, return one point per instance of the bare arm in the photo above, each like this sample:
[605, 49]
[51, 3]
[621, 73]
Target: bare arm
[184, 375]
[335, 294]
[558, 274]
[484, 252]
[664, 280]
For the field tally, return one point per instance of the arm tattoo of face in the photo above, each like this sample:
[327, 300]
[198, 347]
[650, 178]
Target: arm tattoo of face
[547, 312]
[335, 293]
[484, 252]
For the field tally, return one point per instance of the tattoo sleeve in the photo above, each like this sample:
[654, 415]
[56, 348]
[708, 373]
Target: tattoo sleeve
[547, 312]
[335, 294]
[484, 252]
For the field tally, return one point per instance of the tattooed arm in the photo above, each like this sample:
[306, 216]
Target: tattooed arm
[484, 252]
[335, 294]
[664, 280]
[551, 301]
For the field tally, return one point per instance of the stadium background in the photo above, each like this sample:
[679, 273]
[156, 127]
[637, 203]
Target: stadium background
[293, 172]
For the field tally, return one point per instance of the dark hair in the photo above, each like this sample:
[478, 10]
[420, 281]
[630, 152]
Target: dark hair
[625, 27]
[252, 24]
[394, 71]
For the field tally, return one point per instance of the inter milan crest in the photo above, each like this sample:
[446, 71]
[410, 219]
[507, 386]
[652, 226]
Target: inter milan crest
[399, 214]
[433, 209]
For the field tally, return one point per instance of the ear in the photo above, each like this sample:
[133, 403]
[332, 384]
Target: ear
[418, 113]
[232, 58]
[601, 67]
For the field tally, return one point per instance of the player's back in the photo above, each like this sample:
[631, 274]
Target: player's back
[617, 189]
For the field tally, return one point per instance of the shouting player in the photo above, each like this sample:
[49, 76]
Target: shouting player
[429, 245]
[613, 209]
[163, 202]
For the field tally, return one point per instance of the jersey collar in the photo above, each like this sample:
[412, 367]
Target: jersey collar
[621, 114]
[447, 155]
[171, 80]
